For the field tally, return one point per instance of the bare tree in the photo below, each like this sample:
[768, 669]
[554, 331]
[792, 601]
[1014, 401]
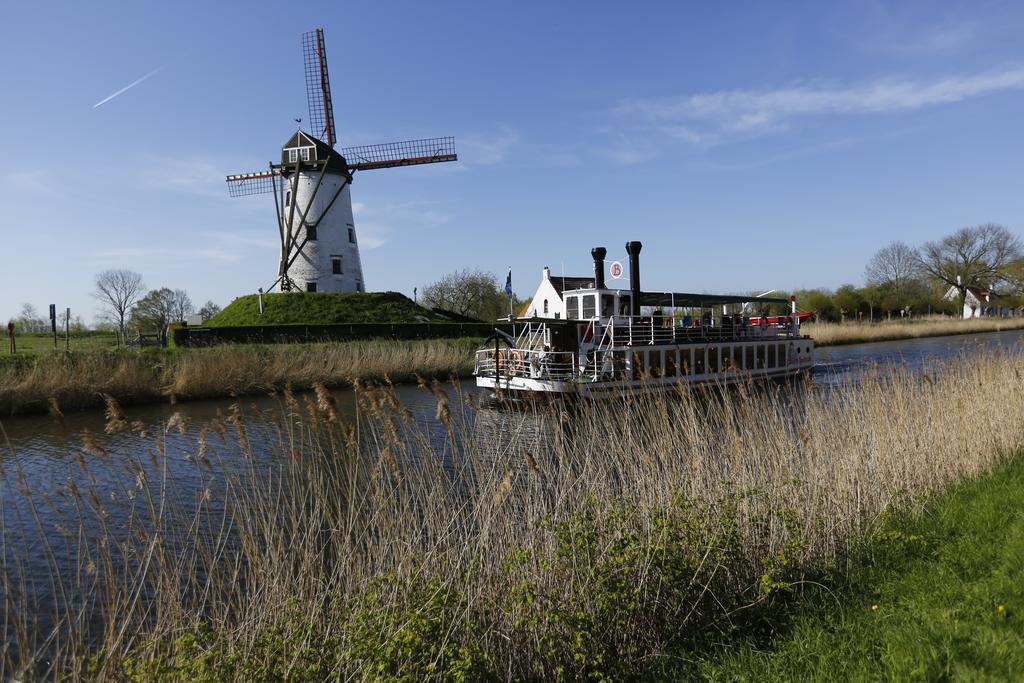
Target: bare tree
[29, 321]
[117, 291]
[971, 257]
[209, 310]
[472, 293]
[181, 305]
[895, 265]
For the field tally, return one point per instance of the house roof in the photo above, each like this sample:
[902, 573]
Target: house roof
[567, 283]
[978, 294]
[689, 299]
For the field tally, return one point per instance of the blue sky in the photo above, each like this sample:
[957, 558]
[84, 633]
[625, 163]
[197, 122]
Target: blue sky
[759, 146]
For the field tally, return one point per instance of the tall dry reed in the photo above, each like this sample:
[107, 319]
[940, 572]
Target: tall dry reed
[77, 380]
[834, 334]
[565, 541]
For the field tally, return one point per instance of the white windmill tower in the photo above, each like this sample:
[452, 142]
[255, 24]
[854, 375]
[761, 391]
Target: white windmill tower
[311, 188]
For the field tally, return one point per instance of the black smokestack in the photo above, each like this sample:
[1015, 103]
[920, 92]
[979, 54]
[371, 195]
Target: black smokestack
[633, 249]
[599, 253]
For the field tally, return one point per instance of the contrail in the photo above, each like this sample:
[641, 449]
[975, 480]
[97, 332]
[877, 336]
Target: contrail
[125, 88]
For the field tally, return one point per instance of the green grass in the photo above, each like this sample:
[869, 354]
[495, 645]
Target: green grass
[41, 343]
[322, 308]
[936, 595]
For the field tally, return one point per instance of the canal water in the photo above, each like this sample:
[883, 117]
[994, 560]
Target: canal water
[51, 469]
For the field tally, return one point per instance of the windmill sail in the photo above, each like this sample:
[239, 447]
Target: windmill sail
[318, 87]
[365, 158]
[248, 184]
[407, 153]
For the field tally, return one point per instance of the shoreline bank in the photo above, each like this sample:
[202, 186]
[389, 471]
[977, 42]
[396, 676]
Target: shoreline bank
[77, 380]
[843, 334]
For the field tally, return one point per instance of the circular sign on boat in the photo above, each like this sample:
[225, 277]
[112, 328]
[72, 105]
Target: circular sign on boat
[616, 270]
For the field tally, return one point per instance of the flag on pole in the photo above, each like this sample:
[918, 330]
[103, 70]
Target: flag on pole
[508, 284]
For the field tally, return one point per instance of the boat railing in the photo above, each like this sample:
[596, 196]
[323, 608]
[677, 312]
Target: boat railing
[652, 330]
[508, 363]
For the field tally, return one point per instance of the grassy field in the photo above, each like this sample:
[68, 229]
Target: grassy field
[936, 594]
[626, 539]
[34, 344]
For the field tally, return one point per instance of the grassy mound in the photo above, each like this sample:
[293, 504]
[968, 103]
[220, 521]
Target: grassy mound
[323, 308]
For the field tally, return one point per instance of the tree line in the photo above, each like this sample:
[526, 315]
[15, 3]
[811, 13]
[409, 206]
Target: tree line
[934, 277]
[125, 307]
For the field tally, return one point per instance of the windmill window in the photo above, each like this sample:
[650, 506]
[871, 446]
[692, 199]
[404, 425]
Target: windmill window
[359, 286]
[310, 286]
[351, 234]
[311, 233]
[305, 153]
[288, 198]
[545, 306]
[293, 155]
[336, 265]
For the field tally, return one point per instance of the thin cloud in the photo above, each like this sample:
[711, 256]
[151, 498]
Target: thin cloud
[709, 118]
[196, 176]
[125, 88]
[375, 222]
[485, 150]
[33, 181]
[165, 254]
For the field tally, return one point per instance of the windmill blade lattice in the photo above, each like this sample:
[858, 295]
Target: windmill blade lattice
[407, 153]
[248, 184]
[318, 86]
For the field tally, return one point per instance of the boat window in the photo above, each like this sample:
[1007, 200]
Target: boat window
[760, 356]
[624, 307]
[654, 361]
[686, 361]
[713, 359]
[619, 360]
[771, 355]
[698, 362]
[782, 356]
[607, 305]
[572, 308]
[589, 306]
[737, 357]
[670, 362]
[638, 364]
[750, 358]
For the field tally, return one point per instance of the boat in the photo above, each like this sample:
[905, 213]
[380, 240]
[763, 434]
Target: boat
[591, 339]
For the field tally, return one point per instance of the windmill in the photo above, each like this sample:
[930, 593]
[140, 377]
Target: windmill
[311, 187]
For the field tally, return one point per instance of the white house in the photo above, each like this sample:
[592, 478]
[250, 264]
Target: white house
[979, 302]
[549, 301]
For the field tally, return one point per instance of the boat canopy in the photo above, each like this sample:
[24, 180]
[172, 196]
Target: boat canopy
[684, 299]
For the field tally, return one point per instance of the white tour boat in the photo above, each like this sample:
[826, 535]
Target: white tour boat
[584, 337]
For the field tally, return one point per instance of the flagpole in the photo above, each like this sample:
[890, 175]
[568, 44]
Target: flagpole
[508, 291]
